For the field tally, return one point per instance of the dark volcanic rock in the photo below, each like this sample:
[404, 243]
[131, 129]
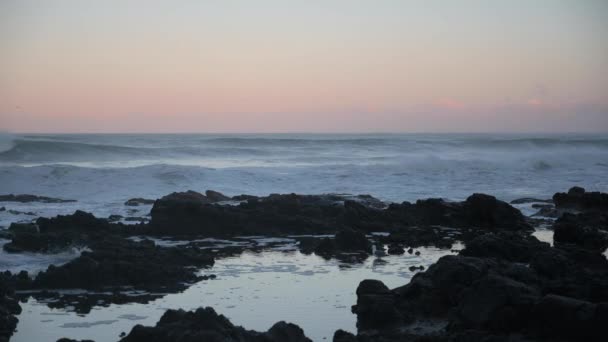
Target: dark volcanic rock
[588, 230]
[496, 303]
[80, 221]
[504, 245]
[490, 295]
[376, 306]
[567, 318]
[215, 196]
[577, 198]
[63, 231]
[116, 262]
[205, 324]
[32, 198]
[193, 214]
[9, 307]
[133, 202]
[344, 336]
[428, 222]
[525, 200]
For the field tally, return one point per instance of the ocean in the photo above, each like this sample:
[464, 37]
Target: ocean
[101, 171]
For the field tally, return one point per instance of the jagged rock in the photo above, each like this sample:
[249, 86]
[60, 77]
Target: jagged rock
[115, 263]
[586, 230]
[504, 245]
[562, 294]
[61, 232]
[133, 202]
[578, 199]
[192, 213]
[205, 324]
[215, 196]
[376, 306]
[344, 336]
[525, 200]
[9, 307]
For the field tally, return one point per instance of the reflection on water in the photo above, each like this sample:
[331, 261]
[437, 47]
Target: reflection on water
[254, 289]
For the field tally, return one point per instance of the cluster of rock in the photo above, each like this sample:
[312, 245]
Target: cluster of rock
[191, 213]
[544, 293]
[205, 324]
[504, 286]
[9, 307]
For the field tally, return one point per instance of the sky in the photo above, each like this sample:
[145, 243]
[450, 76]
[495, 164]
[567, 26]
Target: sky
[304, 66]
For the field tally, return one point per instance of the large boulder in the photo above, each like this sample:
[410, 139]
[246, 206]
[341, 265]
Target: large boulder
[508, 246]
[586, 230]
[578, 199]
[486, 211]
[496, 303]
[376, 306]
[205, 324]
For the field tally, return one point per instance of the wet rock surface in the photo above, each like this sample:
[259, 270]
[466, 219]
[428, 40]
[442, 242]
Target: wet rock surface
[32, 198]
[579, 199]
[491, 292]
[133, 202]
[505, 285]
[205, 324]
[588, 230]
[192, 213]
[9, 307]
[115, 262]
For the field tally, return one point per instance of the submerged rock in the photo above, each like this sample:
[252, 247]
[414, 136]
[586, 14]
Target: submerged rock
[32, 198]
[133, 202]
[205, 324]
[525, 200]
[115, 263]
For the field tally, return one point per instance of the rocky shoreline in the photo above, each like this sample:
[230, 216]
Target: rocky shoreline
[505, 285]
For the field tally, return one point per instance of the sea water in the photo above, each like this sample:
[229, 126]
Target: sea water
[102, 171]
[254, 290]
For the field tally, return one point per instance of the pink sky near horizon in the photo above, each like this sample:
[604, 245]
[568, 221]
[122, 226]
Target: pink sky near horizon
[274, 66]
